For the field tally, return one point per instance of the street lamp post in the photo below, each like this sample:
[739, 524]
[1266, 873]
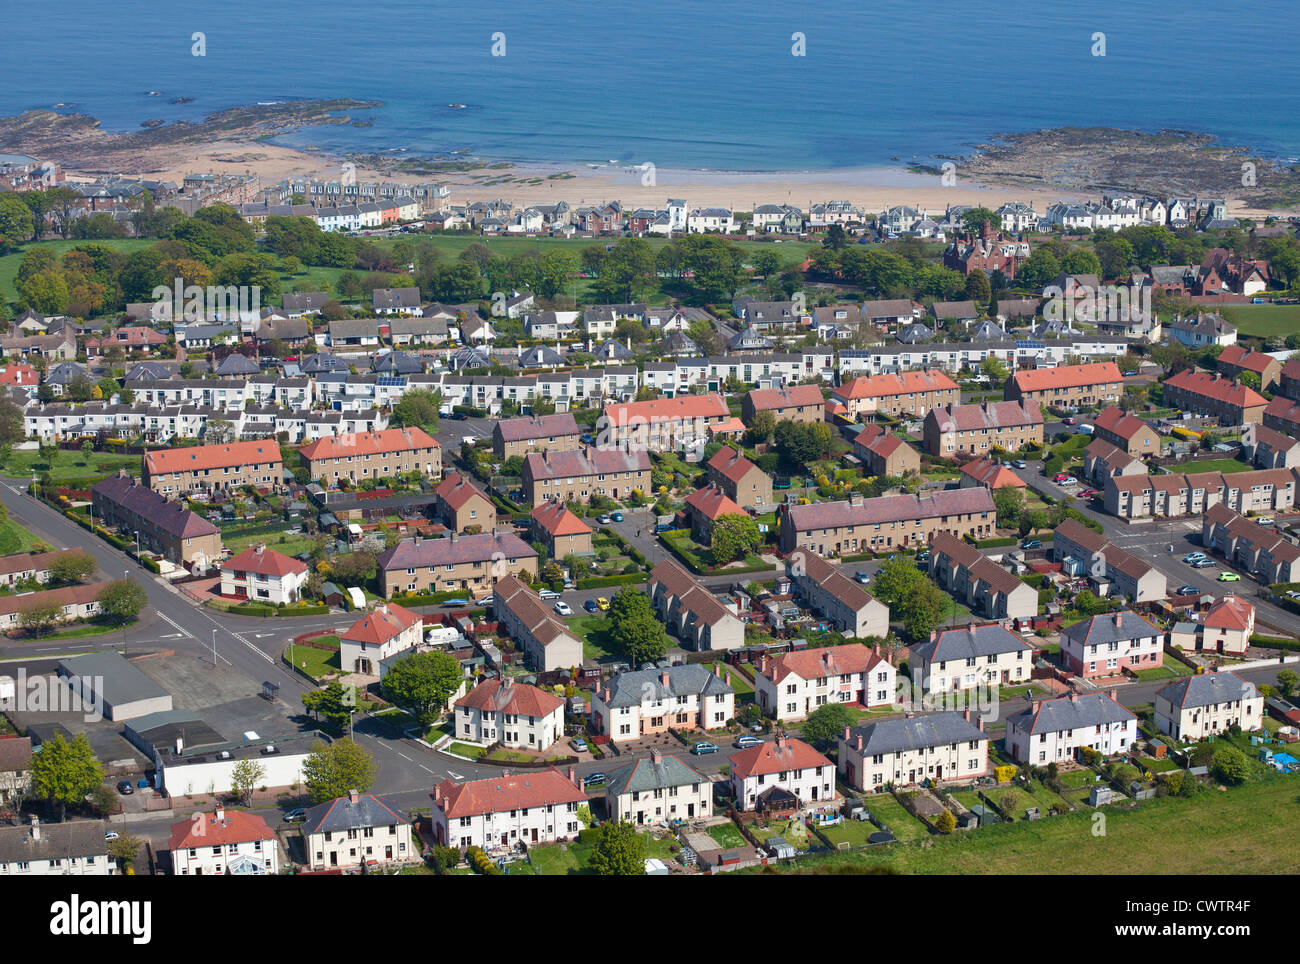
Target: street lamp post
[214, 648]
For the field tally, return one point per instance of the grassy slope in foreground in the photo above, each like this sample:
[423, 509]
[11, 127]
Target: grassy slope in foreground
[1249, 830]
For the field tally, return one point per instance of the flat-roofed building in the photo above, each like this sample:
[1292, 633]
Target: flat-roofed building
[110, 681]
[213, 468]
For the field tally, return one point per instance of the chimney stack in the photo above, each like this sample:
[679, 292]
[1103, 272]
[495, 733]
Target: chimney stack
[966, 714]
[655, 756]
[36, 827]
[663, 678]
[1119, 618]
[353, 796]
[220, 815]
[847, 732]
[573, 776]
[1112, 693]
[1034, 705]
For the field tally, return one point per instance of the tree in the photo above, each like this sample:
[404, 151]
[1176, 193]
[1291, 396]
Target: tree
[800, 442]
[995, 369]
[1230, 766]
[417, 409]
[635, 630]
[333, 770]
[87, 450]
[245, 778]
[896, 579]
[734, 537]
[332, 704]
[1010, 503]
[76, 566]
[922, 610]
[125, 847]
[16, 222]
[834, 238]
[826, 723]
[1249, 380]
[761, 427]
[65, 773]
[41, 618]
[975, 219]
[619, 852]
[219, 431]
[121, 601]
[945, 823]
[423, 683]
[1288, 680]
[978, 288]
[11, 422]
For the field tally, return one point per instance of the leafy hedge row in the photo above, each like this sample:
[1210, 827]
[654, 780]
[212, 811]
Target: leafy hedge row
[1274, 642]
[600, 582]
[255, 609]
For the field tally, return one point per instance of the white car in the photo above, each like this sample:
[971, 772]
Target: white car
[562, 608]
[1070, 480]
[548, 594]
[110, 835]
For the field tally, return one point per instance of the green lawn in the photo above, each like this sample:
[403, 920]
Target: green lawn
[852, 832]
[66, 465]
[1263, 321]
[727, 835]
[574, 857]
[1226, 466]
[1248, 830]
[318, 663]
[890, 812]
[1171, 669]
[593, 630]
[739, 683]
[14, 538]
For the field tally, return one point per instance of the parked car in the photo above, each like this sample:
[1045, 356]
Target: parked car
[548, 594]
[663, 527]
[745, 742]
[592, 779]
[295, 815]
[1032, 544]
[1130, 373]
[453, 603]
[1193, 556]
[1059, 477]
[587, 438]
[1266, 521]
[590, 606]
[863, 577]
[562, 608]
[110, 834]
[616, 516]
[1069, 480]
[602, 603]
[1203, 564]
[923, 556]
[1229, 577]
[579, 744]
[603, 519]
[1068, 420]
[1188, 591]
[704, 746]
[124, 787]
[1020, 463]
[456, 416]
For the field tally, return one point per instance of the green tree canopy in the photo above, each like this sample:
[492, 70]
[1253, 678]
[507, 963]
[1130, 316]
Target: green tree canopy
[65, 773]
[121, 600]
[423, 683]
[332, 770]
[619, 852]
[826, 723]
[635, 630]
[734, 537]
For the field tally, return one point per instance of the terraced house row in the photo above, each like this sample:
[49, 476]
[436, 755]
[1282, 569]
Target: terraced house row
[977, 429]
[1264, 553]
[861, 525]
[1172, 496]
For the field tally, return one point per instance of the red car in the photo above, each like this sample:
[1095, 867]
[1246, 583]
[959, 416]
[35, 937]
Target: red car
[1068, 420]
[1060, 477]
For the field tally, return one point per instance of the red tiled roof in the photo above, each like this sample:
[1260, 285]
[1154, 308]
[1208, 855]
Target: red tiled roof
[1216, 387]
[455, 490]
[1251, 361]
[1283, 409]
[963, 418]
[19, 375]
[1118, 422]
[987, 472]
[796, 396]
[592, 460]
[510, 791]
[197, 458]
[67, 596]
[776, 757]
[812, 664]
[555, 518]
[506, 697]
[379, 627]
[369, 443]
[709, 405]
[1230, 612]
[877, 386]
[730, 464]
[728, 426]
[264, 561]
[1067, 376]
[713, 503]
[236, 826]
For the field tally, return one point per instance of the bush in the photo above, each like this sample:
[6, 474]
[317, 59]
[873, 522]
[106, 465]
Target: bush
[481, 863]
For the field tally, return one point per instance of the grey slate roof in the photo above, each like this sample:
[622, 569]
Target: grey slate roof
[342, 814]
[642, 775]
[237, 364]
[1208, 689]
[58, 841]
[631, 688]
[955, 644]
[1070, 713]
[1102, 629]
[917, 732]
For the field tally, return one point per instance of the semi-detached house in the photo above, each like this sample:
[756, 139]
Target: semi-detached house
[516, 715]
[543, 636]
[795, 684]
[1053, 731]
[958, 659]
[1067, 385]
[469, 562]
[1112, 571]
[784, 774]
[978, 582]
[641, 703]
[1197, 707]
[1108, 644]
[533, 807]
[211, 468]
[691, 612]
[940, 747]
[827, 591]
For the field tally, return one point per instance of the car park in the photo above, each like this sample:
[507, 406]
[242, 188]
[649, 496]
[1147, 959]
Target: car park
[704, 746]
[563, 608]
[745, 742]
[1229, 577]
[590, 606]
[579, 744]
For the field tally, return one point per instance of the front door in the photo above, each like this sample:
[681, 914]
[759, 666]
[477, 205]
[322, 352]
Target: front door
[534, 835]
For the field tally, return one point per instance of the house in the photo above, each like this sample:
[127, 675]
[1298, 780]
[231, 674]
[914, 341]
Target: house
[665, 423]
[872, 525]
[793, 685]
[1172, 495]
[1067, 385]
[15, 767]
[213, 468]
[262, 574]
[361, 828]
[640, 703]
[1214, 396]
[537, 433]
[657, 790]
[514, 715]
[1110, 643]
[1128, 433]
[1203, 331]
[1112, 570]
[129, 338]
[1235, 361]
[704, 507]
[889, 314]
[298, 304]
[396, 301]
[462, 506]
[958, 311]
[1283, 415]
[1101, 461]
[575, 476]
[382, 632]
[1054, 731]
[167, 528]
[543, 636]
[990, 251]
[838, 599]
[691, 612]
[957, 659]
[710, 220]
[797, 403]
[980, 428]
[533, 807]
[1196, 708]
[904, 752]
[784, 764]
[562, 532]
[1269, 449]
[73, 849]
[1228, 626]
[990, 474]
[749, 339]
[740, 479]
[906, 393]
[357, 456]
[884, 454]
[233, 842]
[457, 562]
[978, 582]
[33, 566]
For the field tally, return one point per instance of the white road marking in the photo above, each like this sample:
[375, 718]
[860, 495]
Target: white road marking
[175, 625]
[454, 775]
[402, 755]
[426, 769]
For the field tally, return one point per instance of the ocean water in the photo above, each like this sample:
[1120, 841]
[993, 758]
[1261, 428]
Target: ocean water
[704, 84]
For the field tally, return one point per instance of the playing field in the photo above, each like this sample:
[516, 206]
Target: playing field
[1264, 321]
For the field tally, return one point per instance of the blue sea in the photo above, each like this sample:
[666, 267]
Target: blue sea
[702, 84]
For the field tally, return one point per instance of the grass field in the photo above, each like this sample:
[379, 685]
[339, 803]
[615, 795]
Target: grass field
[727, 835]
[1264, 321]
[574, 857]
[318, 663]
[593, 630]
[14, 538]
[1249, 830]
[1226, 466]
[891, 813]
[66, 465]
